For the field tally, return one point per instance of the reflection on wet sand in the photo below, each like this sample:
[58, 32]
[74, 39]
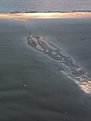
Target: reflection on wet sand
[71, 70]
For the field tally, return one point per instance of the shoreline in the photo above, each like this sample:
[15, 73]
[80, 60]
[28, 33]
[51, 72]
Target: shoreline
[28, 16]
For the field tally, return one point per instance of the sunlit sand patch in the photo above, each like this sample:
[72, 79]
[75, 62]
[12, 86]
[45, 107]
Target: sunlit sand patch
[85, 86]
[26, 16]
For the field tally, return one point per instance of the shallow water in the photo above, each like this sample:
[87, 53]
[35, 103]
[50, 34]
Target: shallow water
[31, 86]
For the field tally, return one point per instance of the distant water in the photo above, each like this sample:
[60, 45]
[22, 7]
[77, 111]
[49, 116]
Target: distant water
[31, 85]
[41, 5]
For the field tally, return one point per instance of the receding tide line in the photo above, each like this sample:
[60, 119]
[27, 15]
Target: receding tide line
[26, 16]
